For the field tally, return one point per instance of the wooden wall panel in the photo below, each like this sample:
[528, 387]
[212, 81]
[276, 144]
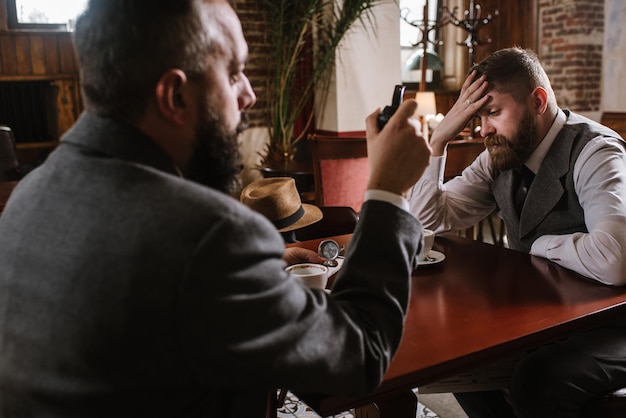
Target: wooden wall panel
[29, 55]
[51, 51]
[516, 25]
[7, 55]
[67, 56]
[37, 55]
[68, 103]
[22, 55]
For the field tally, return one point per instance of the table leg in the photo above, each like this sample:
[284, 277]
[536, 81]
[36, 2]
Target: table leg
[402, 406]
[272, 404]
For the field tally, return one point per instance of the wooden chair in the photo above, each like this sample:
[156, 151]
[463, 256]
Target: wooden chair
[6, 188]
[615, 121]
[340, 170]
[461, 153]
[339, 164]
[9, 163]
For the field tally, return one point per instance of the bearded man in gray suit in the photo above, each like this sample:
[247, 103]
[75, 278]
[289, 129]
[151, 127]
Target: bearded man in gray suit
[558, 180]
[132, 284]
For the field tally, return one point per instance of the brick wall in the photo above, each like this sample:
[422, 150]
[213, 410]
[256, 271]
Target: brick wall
[254, 27]
[571, 41]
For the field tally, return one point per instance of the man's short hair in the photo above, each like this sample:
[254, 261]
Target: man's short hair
[124, 47]
[515, 71]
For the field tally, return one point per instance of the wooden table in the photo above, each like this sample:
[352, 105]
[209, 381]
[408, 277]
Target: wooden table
[6, 187]
[481, 304]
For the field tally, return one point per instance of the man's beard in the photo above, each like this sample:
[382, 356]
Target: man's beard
[216, 160]
[512, 153]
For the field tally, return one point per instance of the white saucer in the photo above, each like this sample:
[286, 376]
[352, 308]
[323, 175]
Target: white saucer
[434, 257]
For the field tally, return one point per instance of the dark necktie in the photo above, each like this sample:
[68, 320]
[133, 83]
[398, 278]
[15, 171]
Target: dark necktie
[522, 179]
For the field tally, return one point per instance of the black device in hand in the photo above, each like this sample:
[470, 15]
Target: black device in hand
[388, 111]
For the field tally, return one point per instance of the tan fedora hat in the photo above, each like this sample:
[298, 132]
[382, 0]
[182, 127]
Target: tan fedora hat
[277, 198]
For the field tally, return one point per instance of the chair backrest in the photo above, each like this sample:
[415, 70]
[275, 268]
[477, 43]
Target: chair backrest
[9, 163]
[460, 154]
[615, 121]
[340, 170]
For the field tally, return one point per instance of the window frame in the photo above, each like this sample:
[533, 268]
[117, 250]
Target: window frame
[13, 23]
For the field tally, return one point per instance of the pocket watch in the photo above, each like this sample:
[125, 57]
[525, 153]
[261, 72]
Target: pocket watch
[329, 250]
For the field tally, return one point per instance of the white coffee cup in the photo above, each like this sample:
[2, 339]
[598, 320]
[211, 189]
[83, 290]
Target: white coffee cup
[313, 275]
[429, 240]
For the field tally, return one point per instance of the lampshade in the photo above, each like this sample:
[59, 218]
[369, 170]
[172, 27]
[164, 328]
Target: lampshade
[433, 62]
[426, 103]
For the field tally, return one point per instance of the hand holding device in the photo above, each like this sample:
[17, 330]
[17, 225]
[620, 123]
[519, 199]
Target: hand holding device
[388, 111]
[398, 155]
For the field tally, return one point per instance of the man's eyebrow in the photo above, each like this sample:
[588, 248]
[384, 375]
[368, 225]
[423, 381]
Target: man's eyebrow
[485, 109]
[482, 109]
[237, 62]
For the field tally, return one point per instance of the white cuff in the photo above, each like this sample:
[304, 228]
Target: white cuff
[385, 196]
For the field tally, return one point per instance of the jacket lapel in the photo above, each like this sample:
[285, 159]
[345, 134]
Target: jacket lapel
[503, 192]
[547, 187]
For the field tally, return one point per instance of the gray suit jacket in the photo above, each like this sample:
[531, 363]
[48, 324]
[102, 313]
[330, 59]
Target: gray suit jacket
[127, 291]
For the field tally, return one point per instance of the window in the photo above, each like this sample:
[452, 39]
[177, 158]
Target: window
[412, 22]
[44, 14]
[413, 11]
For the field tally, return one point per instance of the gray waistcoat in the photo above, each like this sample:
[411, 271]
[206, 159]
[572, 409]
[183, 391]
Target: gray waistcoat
[551, 205]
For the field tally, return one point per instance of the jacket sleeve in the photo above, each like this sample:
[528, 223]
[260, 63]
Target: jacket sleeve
[244, 320]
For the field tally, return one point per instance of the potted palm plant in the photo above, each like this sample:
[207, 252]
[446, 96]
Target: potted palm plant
[303, 37]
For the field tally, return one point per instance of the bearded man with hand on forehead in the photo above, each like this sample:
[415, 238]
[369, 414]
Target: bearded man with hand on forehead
[558, 180]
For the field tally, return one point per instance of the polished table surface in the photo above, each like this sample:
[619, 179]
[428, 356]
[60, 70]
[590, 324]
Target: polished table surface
[6, 187]
[482, 303]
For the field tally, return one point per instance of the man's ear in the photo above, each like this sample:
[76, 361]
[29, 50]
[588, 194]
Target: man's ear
[539, 97]
[172, 96]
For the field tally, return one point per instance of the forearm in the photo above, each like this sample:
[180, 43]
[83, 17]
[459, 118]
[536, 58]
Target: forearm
[360, 324]
[598, 254]
[600, 183]
[458, 204]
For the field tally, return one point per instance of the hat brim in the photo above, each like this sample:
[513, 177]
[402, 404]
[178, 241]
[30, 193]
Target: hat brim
[311, 215]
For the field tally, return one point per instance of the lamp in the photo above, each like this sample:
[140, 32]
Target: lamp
[425, 64]
[433, 62]
[427, 105]
[420, 59]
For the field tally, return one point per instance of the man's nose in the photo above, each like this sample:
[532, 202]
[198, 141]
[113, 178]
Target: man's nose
[485, 128]
[247, 98]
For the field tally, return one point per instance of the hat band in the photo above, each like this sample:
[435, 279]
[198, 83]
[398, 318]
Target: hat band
[285, 222]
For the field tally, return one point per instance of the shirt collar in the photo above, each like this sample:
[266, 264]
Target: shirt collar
[536, 158]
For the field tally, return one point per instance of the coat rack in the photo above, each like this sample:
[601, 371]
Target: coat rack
[472, 23]
[425, 26]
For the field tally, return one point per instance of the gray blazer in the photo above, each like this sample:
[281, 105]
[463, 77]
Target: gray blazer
[127, 291]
